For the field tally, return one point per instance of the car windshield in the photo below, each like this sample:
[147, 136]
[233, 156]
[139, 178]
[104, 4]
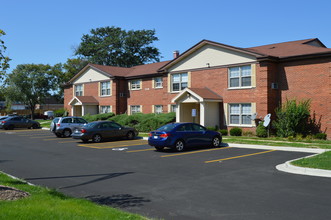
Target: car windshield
[56, 120]
[167, 127]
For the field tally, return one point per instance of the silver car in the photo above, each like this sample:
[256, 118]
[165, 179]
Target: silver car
[64, 126]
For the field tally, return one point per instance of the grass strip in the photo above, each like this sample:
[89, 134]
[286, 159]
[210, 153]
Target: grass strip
[44, 203]
[320, 161]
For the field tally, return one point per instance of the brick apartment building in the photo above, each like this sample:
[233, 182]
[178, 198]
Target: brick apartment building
[220, 85]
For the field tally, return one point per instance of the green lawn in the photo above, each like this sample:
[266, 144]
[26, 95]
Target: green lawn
[44, 203]
[321, 161]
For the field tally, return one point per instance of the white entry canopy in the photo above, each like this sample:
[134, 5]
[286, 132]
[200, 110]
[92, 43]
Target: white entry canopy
[203, 102]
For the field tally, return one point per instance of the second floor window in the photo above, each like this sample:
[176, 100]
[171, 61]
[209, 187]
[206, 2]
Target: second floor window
[240, 76]
[135, 84]
[158, 82]
[179, 81]
[78, 90]
[105, 89]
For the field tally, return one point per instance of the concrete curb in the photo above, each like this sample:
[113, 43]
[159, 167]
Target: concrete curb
[287, 166]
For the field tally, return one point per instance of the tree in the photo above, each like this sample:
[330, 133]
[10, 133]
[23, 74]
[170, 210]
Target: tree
[4, 60]
[116, 47]
[64, 72]
[29, 84]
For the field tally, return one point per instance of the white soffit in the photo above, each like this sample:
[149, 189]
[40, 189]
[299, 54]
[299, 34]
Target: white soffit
[212, 55]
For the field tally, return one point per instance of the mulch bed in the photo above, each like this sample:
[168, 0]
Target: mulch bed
[10, 193]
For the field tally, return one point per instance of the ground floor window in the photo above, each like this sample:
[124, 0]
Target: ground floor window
[173, 108]
[239, 114]
[158, 109]
[135, 109]
[105, 109]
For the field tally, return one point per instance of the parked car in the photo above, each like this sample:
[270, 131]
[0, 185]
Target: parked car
[182, 135]
[12, 122]
[101, 130]
[64, 126]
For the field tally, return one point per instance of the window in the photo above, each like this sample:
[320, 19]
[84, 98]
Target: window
[105, 109]
[240, 114]
[135, 84]
[240, 76]
[158, 82]
[173, 108]
[135, 109]
[158, 109]
[179, 81]
[105, 88]
[78, 90]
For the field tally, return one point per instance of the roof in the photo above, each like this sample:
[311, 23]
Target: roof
[206, 93]
[292, 48]
[202, 94]
[85, 100]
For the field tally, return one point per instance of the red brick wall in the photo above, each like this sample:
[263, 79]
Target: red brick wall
[68, 95]
[149, 96]
[309, 79]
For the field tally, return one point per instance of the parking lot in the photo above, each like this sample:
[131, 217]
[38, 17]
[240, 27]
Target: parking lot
[201, 183]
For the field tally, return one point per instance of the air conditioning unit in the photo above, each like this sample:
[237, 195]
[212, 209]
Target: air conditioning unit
[274, 85]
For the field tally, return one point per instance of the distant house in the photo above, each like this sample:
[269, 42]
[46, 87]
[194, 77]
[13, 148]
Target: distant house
[211, 83]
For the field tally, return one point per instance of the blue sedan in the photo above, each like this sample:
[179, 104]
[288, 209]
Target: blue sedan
[182, 135]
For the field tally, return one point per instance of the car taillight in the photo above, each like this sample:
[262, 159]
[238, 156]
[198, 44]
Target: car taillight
[83, 130]
[164, 135]
[150, 134]
[58, 124]
[3, 122]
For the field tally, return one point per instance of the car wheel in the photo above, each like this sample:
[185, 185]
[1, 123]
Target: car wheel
[34, 126]
[66, 133]
[130, 135]
[58, 135]
[96, 138]
[216, 141]
[159, 148]
[85, 140]
[10, 127]
[179, 145]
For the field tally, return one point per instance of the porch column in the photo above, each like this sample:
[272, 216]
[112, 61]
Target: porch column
[83, 110]
[202, 113]
[178, 113]
[72, 110]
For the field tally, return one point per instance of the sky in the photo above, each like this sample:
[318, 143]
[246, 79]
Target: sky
[46, 32]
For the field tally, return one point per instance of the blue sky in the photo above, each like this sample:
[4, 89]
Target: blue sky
[45, 32]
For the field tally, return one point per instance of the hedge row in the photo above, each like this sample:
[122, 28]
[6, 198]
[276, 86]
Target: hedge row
[142, 122]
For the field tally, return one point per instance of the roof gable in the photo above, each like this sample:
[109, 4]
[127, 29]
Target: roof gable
[210, 54]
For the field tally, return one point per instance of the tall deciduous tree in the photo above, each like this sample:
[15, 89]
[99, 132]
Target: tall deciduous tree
[4, 60]
[116, 47]
[29, 84]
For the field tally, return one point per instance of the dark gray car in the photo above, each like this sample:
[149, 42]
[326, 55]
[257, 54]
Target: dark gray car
[64, 126]
[101, 130]
[12, 122]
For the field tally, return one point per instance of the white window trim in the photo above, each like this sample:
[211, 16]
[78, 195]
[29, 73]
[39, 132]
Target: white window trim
[229, 115]
[82, 91]
[131, 106]
[180, 89]
[110, 108]
[240, 77]
[155, 108]
[131, 84]
[100, 89]
[155, 83]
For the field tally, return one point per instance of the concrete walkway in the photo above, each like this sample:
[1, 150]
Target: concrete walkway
[287, 166]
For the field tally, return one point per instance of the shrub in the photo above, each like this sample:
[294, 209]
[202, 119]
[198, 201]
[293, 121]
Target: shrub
[145, 122]
[248, 133]
[98, 117]
[60, 112]
[224, 132]
[321, 136]
[236, 131]
[292, 118]
[261, 131]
